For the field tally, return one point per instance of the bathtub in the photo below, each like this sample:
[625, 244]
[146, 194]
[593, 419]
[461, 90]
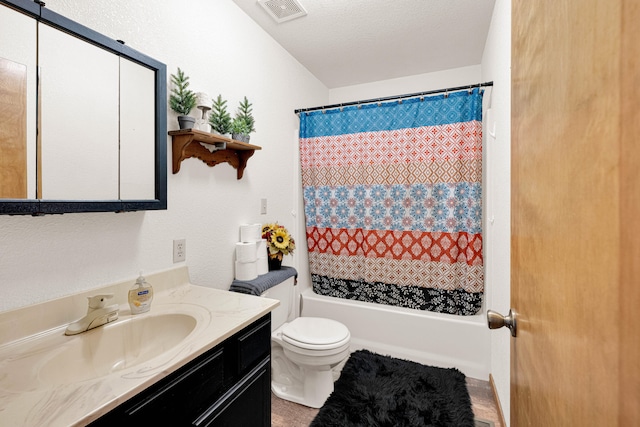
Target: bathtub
[436, 339]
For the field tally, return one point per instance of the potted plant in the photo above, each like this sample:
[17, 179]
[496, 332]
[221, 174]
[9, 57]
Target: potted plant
[219, 118]
[240, 130]
[182, 99]
[243, 122]
[279, 243]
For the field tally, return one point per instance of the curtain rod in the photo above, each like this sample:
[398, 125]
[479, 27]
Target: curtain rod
[391, 98]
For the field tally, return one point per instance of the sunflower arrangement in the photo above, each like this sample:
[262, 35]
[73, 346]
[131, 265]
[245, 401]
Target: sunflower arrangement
[279, 241]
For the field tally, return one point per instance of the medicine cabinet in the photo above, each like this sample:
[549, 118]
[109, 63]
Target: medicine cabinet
[82, 118]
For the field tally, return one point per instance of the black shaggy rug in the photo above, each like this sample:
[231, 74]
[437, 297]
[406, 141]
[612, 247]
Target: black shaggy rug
[375, 390]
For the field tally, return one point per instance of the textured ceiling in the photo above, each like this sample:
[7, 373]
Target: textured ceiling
[347, 42]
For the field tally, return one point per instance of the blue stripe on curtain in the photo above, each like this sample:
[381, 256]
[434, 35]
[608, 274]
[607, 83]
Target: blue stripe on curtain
[432, 111]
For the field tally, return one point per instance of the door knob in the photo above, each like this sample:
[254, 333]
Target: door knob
[496, 320]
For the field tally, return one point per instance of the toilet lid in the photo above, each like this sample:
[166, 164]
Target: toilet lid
[314, 331]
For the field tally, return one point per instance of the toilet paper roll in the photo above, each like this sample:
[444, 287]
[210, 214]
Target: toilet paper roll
[250, 232]
[263, 265]
[246, 270]
[261, 248]
[246, 251]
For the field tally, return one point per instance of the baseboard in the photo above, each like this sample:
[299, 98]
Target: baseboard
[497, 400]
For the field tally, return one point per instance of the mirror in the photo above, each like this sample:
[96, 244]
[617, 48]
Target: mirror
[82, 118]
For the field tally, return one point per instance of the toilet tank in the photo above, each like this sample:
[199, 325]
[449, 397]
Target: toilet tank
[285, 292]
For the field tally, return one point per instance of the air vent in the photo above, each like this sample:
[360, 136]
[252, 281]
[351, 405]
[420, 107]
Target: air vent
[283, 10]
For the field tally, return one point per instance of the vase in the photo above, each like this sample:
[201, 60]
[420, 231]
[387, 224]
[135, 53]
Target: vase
[274, 264]
[242, 137]
[186, 122]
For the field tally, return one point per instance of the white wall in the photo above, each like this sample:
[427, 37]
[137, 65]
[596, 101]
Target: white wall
[223, 51]
[407, 85]
[496, 66]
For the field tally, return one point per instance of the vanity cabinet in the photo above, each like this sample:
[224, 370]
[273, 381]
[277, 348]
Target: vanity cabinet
[229, 385]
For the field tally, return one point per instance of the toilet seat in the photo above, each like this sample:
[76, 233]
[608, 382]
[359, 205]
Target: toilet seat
[314, 333]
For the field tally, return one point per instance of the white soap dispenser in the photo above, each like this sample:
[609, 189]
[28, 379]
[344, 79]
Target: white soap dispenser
[140, 296]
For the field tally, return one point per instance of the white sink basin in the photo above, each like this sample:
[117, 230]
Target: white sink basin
[115, 346]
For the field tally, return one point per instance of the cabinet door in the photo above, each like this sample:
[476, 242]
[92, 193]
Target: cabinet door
[17, 105]
[79, 118]
[137, 125]
[253, 345]
[247, 405]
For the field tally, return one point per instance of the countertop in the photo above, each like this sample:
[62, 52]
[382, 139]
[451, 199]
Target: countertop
[30, 338]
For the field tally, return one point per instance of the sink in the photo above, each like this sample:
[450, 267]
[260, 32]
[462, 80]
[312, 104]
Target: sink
[114, 347]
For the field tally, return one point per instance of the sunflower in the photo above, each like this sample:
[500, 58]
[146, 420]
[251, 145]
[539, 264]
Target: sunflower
[280, 238]
[267, 228]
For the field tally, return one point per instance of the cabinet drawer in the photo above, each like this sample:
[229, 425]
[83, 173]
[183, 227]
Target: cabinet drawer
[254, 345]
[190, 391]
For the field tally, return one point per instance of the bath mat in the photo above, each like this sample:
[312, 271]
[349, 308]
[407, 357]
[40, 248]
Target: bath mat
[380, 391]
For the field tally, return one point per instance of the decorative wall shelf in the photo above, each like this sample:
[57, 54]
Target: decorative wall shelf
[186, 144]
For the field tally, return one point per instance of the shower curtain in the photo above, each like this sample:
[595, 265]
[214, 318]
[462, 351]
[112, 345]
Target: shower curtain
[392, 198]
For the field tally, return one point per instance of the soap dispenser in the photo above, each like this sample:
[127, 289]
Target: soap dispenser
[140, 296]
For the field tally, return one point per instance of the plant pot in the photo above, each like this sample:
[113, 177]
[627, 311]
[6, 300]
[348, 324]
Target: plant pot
[240, 137]
[274, 263]
[186, 122]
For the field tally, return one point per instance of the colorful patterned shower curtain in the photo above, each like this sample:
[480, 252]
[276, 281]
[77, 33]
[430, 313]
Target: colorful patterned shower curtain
[392, 196]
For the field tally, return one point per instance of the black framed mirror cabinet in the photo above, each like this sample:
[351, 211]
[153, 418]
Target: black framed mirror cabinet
[83, 118]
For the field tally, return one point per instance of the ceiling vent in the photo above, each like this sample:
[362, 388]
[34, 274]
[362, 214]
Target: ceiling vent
[283, 10]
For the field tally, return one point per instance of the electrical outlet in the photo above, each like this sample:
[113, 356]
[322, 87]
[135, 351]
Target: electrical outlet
[263, 206]
[179, 250]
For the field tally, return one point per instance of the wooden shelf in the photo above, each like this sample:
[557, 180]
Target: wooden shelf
[186, 144]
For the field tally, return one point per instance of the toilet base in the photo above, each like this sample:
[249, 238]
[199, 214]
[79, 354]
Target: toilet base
[308, 387]
[313, 392]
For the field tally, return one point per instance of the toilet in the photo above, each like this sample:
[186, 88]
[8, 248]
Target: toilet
[305, 351]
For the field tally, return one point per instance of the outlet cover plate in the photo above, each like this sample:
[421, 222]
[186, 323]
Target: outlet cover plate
[179, 250]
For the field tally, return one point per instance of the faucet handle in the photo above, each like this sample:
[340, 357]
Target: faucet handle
[98, 301]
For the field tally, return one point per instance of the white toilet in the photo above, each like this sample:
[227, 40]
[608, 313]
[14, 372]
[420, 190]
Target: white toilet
[304, 350]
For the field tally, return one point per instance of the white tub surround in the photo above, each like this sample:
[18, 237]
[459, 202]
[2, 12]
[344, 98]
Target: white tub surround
[32, 338]
[435, 339]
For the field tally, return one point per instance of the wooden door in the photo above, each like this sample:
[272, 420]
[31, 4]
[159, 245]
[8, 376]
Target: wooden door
[13, 129]
[575, 275]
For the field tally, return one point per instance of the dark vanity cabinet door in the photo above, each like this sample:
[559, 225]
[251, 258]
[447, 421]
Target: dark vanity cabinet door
[234, 411]
[229, 385]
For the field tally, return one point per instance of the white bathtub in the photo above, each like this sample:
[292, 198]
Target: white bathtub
[435, 339]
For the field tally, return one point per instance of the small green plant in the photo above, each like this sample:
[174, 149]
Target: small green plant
[244, 114]
[182, 99]
[220, 119]
[240, 127]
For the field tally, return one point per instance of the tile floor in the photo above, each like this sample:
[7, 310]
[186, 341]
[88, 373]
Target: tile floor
[289, 414]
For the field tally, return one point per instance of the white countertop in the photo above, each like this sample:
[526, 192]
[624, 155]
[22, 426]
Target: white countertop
[26, 399]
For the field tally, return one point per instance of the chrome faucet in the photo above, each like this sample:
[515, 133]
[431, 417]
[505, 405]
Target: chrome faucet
[97, 315]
